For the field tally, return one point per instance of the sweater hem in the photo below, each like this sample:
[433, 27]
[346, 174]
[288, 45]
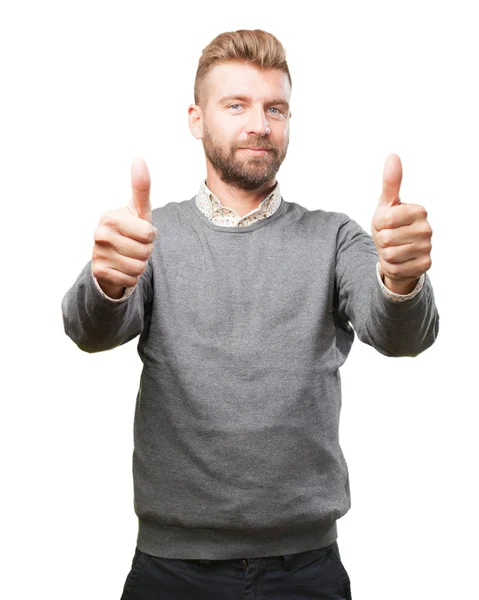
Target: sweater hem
[218, 544]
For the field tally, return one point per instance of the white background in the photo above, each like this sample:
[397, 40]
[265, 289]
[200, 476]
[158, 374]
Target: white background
[87, 87]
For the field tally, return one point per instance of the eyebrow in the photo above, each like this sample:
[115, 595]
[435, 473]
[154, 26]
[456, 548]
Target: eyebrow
[226, 99]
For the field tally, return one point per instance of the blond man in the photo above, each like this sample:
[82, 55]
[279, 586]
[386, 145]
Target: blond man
[246, 305]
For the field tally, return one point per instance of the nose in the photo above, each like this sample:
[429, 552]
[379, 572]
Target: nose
[257, 122]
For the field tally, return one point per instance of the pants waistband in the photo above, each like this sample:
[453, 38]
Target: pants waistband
[287, 559]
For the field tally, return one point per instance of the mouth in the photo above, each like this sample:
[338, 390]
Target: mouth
[256, 151]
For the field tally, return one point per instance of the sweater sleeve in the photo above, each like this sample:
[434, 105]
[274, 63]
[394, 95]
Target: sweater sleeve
[96, 322]
[392, 328]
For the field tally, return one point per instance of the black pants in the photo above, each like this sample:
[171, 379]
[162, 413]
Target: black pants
[314, 574]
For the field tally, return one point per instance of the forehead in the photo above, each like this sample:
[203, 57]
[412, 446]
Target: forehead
[230, 79]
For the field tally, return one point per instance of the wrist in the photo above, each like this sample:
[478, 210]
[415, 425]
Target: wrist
[112, 291]
[400, 287]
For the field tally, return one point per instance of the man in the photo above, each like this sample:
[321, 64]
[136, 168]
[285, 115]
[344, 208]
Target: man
[244, 304]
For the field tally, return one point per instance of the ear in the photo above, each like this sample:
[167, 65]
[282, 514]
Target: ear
[195, 119]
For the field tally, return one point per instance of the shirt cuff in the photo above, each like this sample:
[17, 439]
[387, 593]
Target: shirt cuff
[399, 297]
[126, 293]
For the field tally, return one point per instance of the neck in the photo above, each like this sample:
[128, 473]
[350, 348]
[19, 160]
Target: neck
[239, 200]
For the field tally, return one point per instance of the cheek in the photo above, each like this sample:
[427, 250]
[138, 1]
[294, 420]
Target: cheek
[228, 128]
[228, 136]
[280, 135]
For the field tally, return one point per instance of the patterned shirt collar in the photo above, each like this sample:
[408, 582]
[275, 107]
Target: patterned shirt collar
[210, 205]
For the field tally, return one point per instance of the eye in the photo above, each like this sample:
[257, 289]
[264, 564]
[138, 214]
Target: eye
[271, 108]
[279, 113]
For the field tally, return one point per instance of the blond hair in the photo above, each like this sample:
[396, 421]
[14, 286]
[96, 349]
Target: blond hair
[252, 46]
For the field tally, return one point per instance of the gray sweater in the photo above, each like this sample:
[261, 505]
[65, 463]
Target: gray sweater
[242, 332]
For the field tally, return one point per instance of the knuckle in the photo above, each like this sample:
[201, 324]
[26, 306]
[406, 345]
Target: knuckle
[100, 271]
[427, 263]
[129, 281]
[143, 233]
[379, 238]
[122, 279]
[137, 268]
[102, 233]
[147, 250]
[394, 270]
[109, 219]
[422, 212]
[387, 254]
[98, 253]
[386, 237]
[389, 220]
[152, 235]
[141, 267]
[427, 232]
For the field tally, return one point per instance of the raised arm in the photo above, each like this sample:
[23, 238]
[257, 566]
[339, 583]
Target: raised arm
[106, 305]
[401, 244]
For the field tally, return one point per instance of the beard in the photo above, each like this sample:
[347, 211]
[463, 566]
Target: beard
[249, 172]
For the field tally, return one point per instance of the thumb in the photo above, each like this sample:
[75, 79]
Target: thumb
[392, 176]
[140, 185]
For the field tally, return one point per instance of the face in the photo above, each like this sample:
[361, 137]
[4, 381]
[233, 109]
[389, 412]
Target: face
[245, 108]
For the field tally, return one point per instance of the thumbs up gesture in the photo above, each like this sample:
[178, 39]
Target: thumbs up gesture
[401, 234]
[124, 238]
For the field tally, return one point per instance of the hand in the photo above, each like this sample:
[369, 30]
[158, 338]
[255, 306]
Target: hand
[124, 238]
[401, 233]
